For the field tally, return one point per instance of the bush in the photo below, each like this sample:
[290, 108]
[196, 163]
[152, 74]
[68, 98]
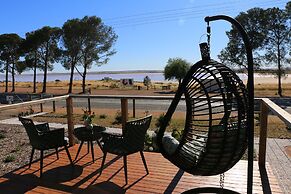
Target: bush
[118, 118]
[9, 158]
[148, 140]
[160, 120]
[28, 112]
[150, 143]
[106, 79]
[113, 85]
[2, 135]
[177, 134]
[102, 116]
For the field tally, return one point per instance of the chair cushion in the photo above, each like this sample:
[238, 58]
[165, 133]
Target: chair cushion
[66, 140]
[195, 147]
[170, 144]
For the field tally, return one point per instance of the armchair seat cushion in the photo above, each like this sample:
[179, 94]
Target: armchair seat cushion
[66, 141]
[170, 144]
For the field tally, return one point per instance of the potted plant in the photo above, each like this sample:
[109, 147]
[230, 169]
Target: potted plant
[88, 118]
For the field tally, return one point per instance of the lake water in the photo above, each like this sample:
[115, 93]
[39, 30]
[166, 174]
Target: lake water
[156, 77]
[91, 76]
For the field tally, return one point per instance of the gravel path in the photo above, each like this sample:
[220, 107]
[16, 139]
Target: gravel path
[14, 145]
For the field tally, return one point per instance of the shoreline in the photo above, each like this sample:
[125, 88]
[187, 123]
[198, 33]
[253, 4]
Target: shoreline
[258, 79]
[97, 72]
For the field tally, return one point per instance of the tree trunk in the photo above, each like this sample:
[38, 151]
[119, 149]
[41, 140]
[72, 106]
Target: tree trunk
[71, 77]
[6, 78]
[45, 68]
[279, 72]
[34, 75]
[13, 77]
[44, 76]
[84, 79]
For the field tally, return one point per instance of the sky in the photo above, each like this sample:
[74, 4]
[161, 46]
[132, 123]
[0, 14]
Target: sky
[149, 31]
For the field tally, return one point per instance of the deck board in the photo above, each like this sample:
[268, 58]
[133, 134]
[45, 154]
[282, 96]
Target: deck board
[279, 160]
[60, 177]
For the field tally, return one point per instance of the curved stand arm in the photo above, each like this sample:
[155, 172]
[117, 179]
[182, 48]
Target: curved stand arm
[250, 86]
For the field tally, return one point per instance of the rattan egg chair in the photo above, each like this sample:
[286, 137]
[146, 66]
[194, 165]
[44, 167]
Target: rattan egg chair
[215, 134]
[218, 122]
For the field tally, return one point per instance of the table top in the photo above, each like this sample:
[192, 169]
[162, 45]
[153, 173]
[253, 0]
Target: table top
[85, 134]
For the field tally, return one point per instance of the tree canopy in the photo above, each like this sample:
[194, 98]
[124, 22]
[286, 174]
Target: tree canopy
[269, 32]
[97, 44]
[86, 42]
[252, 21]
[176, 68]
[41, 51]
[9, 56]
[79, 43]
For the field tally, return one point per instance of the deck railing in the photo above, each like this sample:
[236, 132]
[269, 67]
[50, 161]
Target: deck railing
[266, 106]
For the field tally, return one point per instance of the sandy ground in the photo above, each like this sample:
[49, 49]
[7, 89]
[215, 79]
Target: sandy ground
[262, 82]
[270, 79]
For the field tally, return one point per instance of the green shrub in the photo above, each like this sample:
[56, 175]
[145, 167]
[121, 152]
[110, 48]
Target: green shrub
[2, 135]
[17, 149]
[118, 118]
[113, 85]
[102, 116]
[177, 134]
[150, 143]
[28, 112]
[148, 140]
[106, 79]
[9, 158]
[160, 120]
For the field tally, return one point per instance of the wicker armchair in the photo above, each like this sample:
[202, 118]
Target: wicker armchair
[131, 141]
[41, 138]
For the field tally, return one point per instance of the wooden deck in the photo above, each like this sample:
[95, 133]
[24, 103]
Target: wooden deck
[60, 177]
[277, 155]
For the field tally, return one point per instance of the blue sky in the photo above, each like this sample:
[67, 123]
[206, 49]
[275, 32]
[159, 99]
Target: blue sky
[149, 31]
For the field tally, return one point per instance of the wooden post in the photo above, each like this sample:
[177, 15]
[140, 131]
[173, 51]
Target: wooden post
[54, 106]
[41, 107]
[70, 120]
[124, 111]
[89, 100]
[133, 108]
[263, 134]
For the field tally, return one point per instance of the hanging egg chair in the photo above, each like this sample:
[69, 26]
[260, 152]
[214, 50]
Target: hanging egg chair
[217, 122]
[215, 133]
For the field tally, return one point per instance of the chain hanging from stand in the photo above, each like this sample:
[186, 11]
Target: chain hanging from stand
[205, 47]
[221, 182]
[208, 36]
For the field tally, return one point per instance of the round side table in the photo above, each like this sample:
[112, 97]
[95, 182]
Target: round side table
[89, 135]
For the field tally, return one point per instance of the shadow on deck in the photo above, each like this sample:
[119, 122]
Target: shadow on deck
[60, 177]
